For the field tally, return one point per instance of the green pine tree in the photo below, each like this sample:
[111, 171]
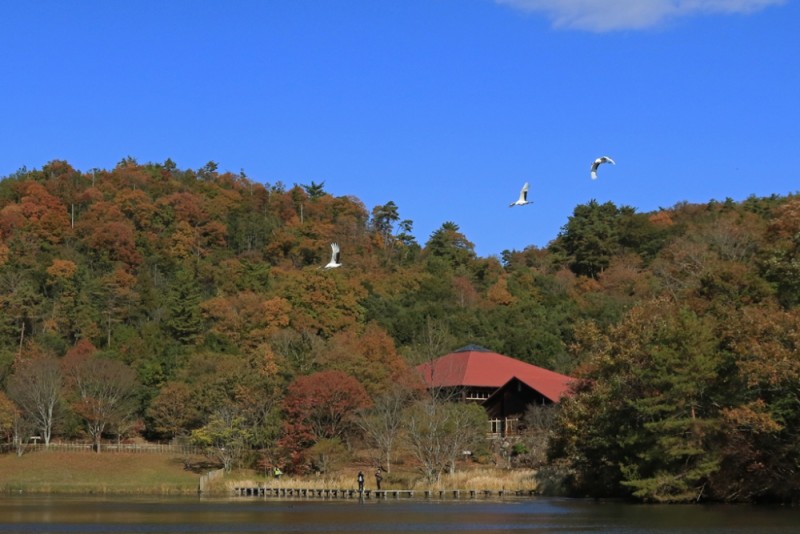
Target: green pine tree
[185, 321]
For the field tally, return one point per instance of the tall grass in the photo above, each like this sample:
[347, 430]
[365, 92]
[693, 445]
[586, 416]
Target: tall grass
[474, 479]
[484, 479]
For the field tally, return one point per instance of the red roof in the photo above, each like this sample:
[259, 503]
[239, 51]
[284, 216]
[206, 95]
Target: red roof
[477, 367]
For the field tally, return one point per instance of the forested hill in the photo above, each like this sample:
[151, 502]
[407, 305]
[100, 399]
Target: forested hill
[198, 279]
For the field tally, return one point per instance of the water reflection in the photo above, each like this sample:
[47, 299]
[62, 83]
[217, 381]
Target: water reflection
[119, 515]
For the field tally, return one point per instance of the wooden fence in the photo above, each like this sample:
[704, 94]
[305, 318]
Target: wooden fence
[208, 477]
[144, 448]
[264, 491]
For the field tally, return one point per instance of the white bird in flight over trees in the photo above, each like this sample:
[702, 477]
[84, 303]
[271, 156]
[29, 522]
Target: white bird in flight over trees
[334, 257]
[598, 162]
[523, 197]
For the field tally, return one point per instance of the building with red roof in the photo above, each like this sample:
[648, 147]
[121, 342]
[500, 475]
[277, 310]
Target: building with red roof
[506, 387]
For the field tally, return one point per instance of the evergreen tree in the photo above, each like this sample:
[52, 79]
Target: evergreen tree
[450, 245]
[315, 190]
[590, 238]
[185, 320]
[643, 421]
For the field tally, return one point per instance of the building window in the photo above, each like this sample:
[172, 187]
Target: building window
[496, 426]
[504, 427]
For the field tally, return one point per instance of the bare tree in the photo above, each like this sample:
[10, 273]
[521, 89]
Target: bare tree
[383, 422]
[438, 432]
[538, 423]
[104, 390]
[21, 431]
[433, 340]
[35, 386]
[466, 422]
[127, 425]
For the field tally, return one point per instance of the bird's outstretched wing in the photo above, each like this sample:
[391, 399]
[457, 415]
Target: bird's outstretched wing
[523, 197]
[596, 163]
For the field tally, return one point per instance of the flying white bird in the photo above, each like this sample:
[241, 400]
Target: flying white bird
[523, 197]
[334, 257]
[597, 162]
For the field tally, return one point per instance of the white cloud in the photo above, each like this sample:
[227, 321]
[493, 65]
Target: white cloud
[608, 15]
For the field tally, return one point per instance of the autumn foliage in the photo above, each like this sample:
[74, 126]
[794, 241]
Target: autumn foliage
[200, 294]
[321, 406]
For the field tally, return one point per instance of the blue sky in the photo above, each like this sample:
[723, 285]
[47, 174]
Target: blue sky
[445, 107]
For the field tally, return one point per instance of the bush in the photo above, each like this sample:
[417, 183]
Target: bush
[327, 455]
[519, 449]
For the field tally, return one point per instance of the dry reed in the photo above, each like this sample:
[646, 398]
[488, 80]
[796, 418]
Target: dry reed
[490, 479]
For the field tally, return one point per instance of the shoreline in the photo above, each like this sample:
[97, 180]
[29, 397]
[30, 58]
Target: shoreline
[162, 474]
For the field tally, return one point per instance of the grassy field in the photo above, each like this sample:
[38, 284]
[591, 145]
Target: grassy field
[88, 472]
[164, 474]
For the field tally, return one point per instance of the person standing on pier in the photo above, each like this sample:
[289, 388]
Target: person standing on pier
[360, 482]
[378, 478]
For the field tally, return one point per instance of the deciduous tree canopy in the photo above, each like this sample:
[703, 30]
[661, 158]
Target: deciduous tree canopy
[206, 286]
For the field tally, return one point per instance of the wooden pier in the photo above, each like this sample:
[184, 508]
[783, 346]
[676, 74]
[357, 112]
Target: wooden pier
[327, 493]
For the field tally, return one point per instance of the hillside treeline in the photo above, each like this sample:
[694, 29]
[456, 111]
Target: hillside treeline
[150, 300]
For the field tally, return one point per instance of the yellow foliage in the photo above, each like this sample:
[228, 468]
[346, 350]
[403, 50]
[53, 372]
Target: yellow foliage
[62, 269]
[499, 293]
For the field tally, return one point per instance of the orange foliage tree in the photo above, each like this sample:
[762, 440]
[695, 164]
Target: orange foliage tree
[320, 406]
[246, 319]
[367, 355]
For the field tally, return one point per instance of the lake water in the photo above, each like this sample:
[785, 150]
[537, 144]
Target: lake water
[121, 515]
